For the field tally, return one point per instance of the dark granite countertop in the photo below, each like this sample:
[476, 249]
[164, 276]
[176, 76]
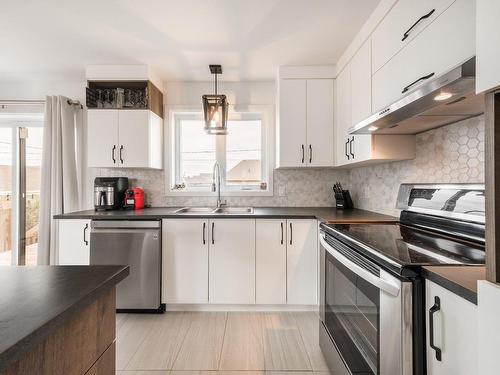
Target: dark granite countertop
[327, 214]
[461, 280]
[35, 301]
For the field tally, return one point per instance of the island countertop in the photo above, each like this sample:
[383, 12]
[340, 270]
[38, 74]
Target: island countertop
[327, 214]
[35, 301]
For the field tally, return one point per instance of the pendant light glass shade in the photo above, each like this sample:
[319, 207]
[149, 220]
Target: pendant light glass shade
[215, 108]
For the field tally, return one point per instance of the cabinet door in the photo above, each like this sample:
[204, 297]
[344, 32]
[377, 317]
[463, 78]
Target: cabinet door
[73, 242]
[361, 84]
[102, 138]
[455, 333]
[292, 123]
[453, 32]
[270, 258]
[342, 116]
[487, 46]
[388, 36]
[134, 138]
[185, 261]
[360, 148]
[319, 148]
[232, 261]
[302, 262]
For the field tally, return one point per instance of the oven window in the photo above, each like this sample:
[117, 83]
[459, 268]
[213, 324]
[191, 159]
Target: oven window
[352, 310]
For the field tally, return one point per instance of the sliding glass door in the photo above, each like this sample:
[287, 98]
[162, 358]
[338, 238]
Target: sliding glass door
[20, 171]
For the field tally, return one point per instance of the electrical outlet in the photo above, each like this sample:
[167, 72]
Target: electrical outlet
[282, 191]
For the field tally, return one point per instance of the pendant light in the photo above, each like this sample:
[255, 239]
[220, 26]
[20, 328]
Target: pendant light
[215, 108]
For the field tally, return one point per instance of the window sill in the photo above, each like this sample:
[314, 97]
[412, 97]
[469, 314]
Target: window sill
[234, 193]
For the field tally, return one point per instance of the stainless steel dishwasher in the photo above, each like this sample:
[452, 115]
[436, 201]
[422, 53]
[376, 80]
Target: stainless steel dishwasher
[137, 244]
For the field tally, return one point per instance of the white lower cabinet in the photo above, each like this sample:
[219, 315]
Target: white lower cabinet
[232, 261]
[240, 261]
[73, 242]
[302, 262]
[454, 333]
[185, 261]
[270, 259]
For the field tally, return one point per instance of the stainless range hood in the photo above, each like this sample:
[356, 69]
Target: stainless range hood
[442, 101]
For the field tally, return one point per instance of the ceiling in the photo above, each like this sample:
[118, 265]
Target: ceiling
[250, 38]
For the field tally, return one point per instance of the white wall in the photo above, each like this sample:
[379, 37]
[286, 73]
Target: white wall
[238, 93]
[72, 87]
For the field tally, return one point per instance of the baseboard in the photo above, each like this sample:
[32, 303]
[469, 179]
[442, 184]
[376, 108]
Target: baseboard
[208, 307]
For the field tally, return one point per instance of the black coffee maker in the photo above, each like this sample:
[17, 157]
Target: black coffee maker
[109, 192]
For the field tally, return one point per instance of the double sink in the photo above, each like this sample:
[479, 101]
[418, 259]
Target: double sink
[215, 211]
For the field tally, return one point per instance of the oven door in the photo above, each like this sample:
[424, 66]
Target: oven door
[365, 311]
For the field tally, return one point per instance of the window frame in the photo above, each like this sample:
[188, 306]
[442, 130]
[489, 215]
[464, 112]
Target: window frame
[177, 113]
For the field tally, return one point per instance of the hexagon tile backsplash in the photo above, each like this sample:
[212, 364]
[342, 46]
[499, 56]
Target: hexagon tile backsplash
[302, 188]
[454, 153]
[450, 154]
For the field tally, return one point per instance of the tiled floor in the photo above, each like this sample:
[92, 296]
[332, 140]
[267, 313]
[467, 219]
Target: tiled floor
[185, 343]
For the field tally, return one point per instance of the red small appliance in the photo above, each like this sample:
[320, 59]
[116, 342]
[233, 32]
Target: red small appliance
[134, 199]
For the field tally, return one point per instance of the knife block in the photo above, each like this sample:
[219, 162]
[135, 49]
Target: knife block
[343, 201]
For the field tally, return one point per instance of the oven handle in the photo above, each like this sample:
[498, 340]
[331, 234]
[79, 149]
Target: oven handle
[380, 283]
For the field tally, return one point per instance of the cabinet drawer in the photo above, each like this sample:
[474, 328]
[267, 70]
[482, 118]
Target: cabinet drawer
[454, 30]
[396, 31]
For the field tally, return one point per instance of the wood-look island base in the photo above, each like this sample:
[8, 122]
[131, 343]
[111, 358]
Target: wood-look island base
[78, 333]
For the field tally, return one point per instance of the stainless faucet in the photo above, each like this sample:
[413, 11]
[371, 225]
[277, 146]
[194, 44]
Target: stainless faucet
[216, 183]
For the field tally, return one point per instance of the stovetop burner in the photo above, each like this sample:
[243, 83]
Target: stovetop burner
[408, 246]
[439, 225]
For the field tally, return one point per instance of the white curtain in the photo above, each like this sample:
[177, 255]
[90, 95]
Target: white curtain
[61, 182]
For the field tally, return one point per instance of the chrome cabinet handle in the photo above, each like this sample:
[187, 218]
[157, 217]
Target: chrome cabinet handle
[346, 154]
[213, 231]
[204, 228]
[291, 234]
[405, 89]
[435, 308]
[303, 154]
[85, 234]
[121, 158]
[351, 147]
[310, 154]
[407, 32]
[281, 233]
[113, 154]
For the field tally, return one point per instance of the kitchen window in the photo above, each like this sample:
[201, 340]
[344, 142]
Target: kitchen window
[243, 155]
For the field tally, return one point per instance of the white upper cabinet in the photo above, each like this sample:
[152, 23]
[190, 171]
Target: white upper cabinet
[292, 123]
[124, 138]
[102, 138]
[403, 23]
[445, 43]
[319, 122]
[361, 84]
[305, 123]
[353, 104]
[342, 116]
[487, 46]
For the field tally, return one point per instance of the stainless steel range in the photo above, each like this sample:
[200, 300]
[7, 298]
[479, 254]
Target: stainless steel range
[372, 296]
